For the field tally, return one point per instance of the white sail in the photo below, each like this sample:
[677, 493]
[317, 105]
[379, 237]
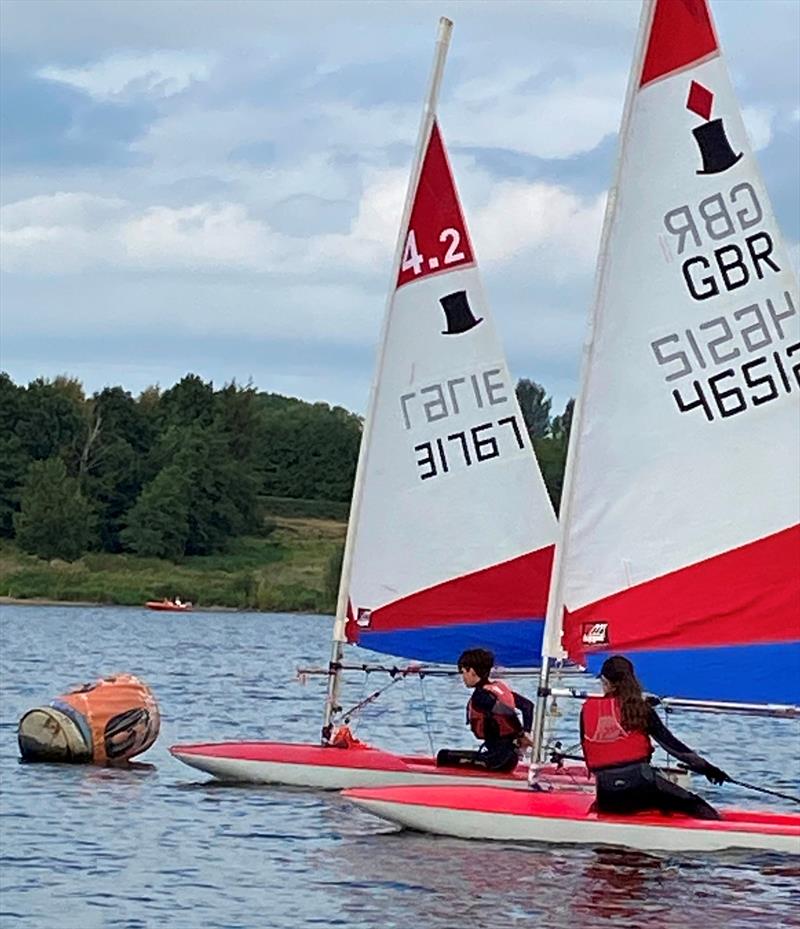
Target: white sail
[682, 499]
[452, 529]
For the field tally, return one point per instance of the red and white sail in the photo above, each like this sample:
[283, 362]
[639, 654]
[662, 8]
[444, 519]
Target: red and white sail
[681, 508]
[452, 531]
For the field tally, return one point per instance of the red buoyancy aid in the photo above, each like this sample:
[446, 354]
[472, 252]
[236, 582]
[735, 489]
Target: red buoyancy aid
[605, 742]
[503, 714]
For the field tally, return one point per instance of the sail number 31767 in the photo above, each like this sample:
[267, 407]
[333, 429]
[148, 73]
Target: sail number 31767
[468, 447]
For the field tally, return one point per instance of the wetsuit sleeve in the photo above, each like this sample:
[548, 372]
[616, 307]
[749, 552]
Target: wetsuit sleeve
[525, 706]
[658, 731]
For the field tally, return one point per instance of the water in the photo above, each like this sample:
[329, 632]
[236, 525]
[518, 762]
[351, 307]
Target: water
[159, 845]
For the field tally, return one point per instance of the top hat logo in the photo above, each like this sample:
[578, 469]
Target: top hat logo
[715, 149]
[459, 315]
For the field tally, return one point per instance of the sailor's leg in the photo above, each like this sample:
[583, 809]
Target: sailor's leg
[670, 797]
[459, 758]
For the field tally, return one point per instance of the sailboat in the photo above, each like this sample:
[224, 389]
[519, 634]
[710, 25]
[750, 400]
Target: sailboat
[681, 510]
[451, 533]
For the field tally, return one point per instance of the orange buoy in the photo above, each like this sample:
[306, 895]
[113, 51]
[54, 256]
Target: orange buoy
[108, 721]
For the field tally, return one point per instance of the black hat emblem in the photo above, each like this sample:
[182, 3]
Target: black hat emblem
[715, 149]
[459, 315]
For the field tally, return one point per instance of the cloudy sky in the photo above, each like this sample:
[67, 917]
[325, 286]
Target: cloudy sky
[215, 185]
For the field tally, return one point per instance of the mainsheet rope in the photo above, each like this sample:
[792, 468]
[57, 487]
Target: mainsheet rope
[355, 710]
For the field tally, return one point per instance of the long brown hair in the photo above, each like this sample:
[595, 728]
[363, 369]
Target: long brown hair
[633, 709]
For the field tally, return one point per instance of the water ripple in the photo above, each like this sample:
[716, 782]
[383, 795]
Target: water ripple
[157, 845]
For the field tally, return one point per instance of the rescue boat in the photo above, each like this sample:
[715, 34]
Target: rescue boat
[169, 606]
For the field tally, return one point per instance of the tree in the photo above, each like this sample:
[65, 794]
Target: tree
[310, 449]
[51, 419]
[535, 406]
[14, 459]
[119, 435]
[563, 424]
[14, 463]
[157, 525]
[55, 520]
[189, 402]
[551, 452]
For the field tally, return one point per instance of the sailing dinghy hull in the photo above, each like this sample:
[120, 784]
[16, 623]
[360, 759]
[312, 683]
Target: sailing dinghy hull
[565, 817]
[323, 768]
[320, 768]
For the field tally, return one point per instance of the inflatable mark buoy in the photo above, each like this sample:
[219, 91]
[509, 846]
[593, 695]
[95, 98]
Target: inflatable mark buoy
[107, 721]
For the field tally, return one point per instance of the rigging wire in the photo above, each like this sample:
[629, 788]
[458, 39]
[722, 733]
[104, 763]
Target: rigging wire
[427, 715]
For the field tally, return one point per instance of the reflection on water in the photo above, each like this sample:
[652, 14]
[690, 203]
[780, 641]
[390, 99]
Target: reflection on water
[159, 845]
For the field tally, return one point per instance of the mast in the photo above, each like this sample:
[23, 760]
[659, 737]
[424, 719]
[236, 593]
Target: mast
[551, 642]
[340, 623]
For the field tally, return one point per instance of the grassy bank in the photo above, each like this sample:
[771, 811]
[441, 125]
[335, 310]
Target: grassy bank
[292, 569]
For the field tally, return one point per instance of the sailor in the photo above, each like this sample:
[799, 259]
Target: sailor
[616, 733]
[492, 714]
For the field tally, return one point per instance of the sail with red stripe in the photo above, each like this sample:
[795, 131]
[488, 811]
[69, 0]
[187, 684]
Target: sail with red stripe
[453, 532]
[682, 499]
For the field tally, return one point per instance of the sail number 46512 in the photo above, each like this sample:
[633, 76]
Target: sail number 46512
[416, 262]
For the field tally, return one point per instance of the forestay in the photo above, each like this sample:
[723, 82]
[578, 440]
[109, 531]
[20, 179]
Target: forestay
[682, 543]
[454, 532]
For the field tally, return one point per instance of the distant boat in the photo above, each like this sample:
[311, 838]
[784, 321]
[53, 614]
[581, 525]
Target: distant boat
[175, 606]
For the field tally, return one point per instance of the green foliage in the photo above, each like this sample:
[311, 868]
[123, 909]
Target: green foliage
[311, 449]
[333, 571]
[158, 523]
[551, 452]
[284, 572]
[14, 464]
[187, 471]
[298, 507]
[535, 406]
[50, 421]
[55, 520]
[189, 402]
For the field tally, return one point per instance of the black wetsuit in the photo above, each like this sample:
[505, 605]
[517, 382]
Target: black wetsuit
[496, 753]
[631, 787]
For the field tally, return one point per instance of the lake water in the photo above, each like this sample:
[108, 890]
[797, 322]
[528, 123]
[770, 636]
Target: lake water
[84, 848]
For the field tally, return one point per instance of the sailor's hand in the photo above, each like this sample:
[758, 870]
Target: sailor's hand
[525, 741]
[714, 774]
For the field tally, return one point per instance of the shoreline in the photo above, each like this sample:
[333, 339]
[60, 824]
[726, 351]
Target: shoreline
[43, 601]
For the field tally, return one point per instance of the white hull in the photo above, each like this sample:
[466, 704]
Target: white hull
[465, 824]
[322, 777]
[317, 768]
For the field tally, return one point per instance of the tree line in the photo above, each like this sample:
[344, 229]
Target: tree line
[182, 471]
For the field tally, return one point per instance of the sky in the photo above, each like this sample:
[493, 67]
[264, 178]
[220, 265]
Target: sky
[216, 187]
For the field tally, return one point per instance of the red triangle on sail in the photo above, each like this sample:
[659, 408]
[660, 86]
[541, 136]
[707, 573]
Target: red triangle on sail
[681, 32]
[437, 238]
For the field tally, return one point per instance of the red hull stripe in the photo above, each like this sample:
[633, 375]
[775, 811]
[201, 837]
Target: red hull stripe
[515, 589]
[745, 596]
[575, 805]
[681, 33]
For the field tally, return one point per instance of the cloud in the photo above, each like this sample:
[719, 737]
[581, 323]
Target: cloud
[75, 232]
[159, 74]
[758, 123]
[562, 228]
[231, 176]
